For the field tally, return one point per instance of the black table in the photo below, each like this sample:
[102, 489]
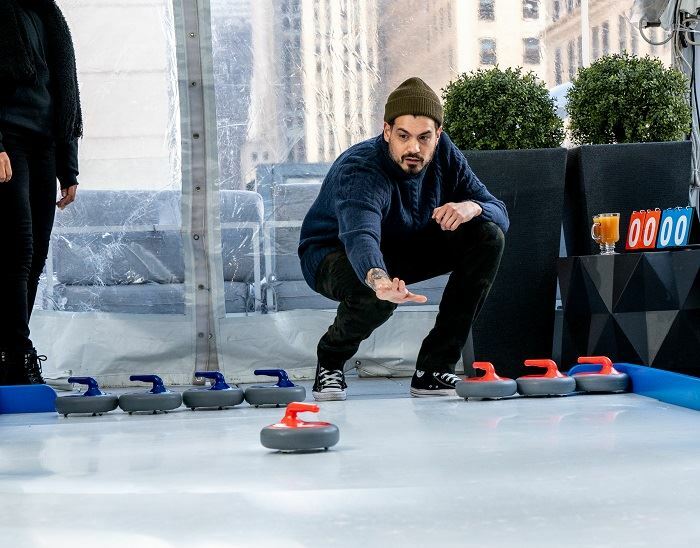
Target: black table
[633, 307]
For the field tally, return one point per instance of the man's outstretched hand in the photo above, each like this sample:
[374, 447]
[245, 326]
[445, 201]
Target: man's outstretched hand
[452, 214]
[5, 168]
[397, 293]
[394, 291]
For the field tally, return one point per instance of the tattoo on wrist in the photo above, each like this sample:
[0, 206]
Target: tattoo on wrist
[374, 275]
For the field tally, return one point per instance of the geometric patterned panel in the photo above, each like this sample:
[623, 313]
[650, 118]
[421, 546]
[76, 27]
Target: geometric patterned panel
[634, 307]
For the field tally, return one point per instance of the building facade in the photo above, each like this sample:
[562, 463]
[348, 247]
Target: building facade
[441, 39]
[313, 79]
[610, 32]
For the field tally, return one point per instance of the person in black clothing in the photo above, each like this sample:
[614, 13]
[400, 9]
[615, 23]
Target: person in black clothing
[40, 123]
[397, 209]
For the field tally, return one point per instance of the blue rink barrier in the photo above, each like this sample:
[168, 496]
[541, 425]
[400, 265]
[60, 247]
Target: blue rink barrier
[29, 398]
[665, 386]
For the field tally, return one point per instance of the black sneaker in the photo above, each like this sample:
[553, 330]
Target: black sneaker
[433, 383]
[330, 384]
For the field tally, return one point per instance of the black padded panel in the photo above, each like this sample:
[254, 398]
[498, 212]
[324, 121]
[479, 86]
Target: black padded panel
[517, 320]
[621, 178]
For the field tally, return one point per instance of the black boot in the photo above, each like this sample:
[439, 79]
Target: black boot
[28, 368]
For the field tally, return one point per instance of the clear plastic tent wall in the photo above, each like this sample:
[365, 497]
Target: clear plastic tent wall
[209, 127]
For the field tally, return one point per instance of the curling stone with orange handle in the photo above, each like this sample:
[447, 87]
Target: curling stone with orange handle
[489, 385]
[608, 379]
[551, 383]
[294, 434]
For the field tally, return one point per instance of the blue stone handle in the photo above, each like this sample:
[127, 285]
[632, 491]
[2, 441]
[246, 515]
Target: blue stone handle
[216, 376]
[158, 386]
[93, 387]
[282, 377]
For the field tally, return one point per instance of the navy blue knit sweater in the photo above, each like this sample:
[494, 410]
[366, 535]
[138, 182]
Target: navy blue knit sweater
[367, 199]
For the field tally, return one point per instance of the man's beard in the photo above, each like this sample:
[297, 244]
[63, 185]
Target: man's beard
[411, 168]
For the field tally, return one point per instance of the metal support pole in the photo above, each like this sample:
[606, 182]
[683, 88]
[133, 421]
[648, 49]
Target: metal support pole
[195, 184]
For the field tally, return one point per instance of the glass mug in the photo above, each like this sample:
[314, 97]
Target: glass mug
[606, 231]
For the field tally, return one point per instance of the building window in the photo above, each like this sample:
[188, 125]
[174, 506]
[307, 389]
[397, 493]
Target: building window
[605, 34]
[557, 67]
[595, 43]
[487, 11]
[571, 59]
[556, 7]
[569, 6]
[623, 33]
[531, 9]
[531, 51]
[580, 52]
[487, 47]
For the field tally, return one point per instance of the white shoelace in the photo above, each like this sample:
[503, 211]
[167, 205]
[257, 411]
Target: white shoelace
[331, 379]
[450, 378]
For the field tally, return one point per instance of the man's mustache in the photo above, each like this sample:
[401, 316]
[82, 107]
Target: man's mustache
[412, 157]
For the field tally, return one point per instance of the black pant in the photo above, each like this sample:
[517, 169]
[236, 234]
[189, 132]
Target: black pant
[27, 208]
[471, 253]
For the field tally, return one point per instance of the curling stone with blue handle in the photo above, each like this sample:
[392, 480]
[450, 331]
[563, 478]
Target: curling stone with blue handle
[92, 401]
[551, 383]
[219, 394]
[282, 393]
[158, 398]
[294, 434]
[608, 379]
[490, 385]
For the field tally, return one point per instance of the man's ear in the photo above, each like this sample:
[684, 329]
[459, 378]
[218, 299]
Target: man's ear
[387, 131]
[438, 132]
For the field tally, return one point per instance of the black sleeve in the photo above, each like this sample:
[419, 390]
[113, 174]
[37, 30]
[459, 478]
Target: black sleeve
[67, 163]
[2, 148]
[360, 198]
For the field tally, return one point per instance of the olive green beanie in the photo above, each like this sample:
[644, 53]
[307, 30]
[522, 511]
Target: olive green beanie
[414, 97]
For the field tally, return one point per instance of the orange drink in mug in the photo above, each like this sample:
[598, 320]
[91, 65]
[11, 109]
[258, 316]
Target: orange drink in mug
[606, 231]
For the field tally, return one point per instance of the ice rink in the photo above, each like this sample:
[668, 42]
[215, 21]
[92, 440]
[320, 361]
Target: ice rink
[605, 470]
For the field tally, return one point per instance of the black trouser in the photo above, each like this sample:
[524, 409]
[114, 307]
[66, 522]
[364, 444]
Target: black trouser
[471, 253]
[27, 208]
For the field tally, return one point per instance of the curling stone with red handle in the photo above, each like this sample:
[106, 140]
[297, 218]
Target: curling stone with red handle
[608, 379]
[294, 434]
[489, 385]
[551, 383]
[282, 393]
[219, 394]
[93, 400]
